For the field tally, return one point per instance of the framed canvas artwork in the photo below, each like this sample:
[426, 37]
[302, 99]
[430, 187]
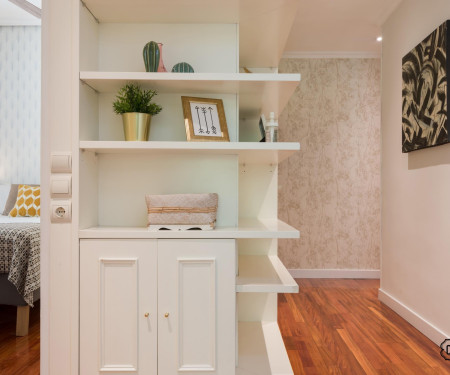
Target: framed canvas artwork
[424, 92]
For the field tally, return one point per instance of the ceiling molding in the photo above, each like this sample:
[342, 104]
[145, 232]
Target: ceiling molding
[28, 7]
[330, 55]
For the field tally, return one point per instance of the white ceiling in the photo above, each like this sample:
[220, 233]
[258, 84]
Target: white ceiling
[11, 14]
[339, 27]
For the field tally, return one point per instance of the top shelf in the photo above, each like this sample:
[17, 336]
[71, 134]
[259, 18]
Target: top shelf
[264, 25]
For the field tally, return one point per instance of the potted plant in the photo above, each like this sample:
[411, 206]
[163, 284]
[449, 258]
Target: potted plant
[136, 107]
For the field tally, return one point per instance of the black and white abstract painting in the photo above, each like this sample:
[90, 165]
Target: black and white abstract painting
[424, 92]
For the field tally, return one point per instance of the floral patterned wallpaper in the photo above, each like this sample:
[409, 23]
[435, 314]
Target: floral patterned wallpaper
[20, 104]
[330, 190]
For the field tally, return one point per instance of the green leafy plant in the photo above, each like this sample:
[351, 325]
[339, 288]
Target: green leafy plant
[132, 98]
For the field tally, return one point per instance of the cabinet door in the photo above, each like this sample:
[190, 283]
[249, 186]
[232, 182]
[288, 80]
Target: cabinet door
[117, 289]
[196, 307]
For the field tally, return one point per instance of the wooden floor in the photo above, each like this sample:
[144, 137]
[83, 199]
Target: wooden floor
[18, 355]
[329, 327]
[339, 327]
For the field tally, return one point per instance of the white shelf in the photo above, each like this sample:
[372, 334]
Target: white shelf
[264, 24]
[257, 91]
[264, 274]
[261, 350]
[248, 228]
[248, 152]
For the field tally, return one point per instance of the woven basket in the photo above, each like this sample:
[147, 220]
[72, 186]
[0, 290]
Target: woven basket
[182, 211]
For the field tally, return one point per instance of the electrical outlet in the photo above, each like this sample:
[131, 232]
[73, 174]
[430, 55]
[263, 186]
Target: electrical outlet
[61, 211]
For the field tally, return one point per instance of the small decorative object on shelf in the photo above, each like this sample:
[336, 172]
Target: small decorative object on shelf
[136, 107]
[182, 67]
[182, 211]
[204, 119]
[272, 129]
[262, 127]
[152, 56]
[161, 67]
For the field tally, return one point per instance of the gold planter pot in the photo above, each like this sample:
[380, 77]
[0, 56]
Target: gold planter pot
[136, 126]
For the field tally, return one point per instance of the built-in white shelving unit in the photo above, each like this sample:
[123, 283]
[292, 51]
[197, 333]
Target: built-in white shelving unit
[218, 38]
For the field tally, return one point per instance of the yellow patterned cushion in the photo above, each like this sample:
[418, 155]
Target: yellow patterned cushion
[28, 201]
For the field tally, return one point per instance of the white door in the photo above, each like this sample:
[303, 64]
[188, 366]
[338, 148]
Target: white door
[118, 307]
[196, 307]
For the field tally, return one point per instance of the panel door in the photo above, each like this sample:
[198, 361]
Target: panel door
[118, 307]
[196, 307]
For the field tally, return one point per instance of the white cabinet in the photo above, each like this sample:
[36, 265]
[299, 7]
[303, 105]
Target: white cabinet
[157, 306]
[196, 304]
[118, 288]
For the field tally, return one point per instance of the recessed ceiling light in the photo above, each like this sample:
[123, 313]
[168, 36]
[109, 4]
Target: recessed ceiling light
[379, 39]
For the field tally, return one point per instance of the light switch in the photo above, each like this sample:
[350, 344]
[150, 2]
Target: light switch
[61, 186]
[61, 163]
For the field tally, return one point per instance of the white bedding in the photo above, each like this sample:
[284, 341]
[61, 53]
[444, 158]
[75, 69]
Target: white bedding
[6, 219]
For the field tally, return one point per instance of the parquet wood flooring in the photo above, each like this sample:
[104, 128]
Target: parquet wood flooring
[330, 327]
[19, 355]
[338, 326]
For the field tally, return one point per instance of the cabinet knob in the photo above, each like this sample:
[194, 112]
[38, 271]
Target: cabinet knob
[166, 315]
[146, 315]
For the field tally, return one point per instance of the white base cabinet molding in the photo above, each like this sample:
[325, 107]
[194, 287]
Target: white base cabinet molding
[157, 307]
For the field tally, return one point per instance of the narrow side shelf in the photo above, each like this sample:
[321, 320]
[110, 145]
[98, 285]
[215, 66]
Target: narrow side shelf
[261, 350]
[248, 228]
[264, 274]
[248, 152]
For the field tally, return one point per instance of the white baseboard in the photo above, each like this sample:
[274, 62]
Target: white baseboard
[430, 331]
[334, 274]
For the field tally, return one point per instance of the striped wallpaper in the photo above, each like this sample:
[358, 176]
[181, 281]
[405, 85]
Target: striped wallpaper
[20, 103]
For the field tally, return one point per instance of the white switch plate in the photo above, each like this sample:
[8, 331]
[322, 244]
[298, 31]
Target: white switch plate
[61, 162]
[61, 186]
[61, 211]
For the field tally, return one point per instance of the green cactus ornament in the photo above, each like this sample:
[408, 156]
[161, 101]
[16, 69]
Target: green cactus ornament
[182, 67]
[151, 55]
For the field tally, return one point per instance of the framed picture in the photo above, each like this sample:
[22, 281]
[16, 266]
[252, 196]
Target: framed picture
[425, 97]
[204, 119]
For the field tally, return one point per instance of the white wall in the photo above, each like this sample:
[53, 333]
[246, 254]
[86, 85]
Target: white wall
[20, 103]
[415, 189]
